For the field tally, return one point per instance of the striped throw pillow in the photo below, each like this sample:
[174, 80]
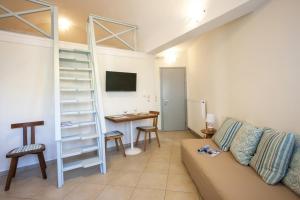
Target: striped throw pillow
[226, 133]
[292, 178]
[273, 154]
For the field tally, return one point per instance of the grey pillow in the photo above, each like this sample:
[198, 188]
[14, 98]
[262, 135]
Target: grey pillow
[245, 143]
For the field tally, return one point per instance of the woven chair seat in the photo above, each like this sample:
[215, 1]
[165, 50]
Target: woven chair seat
[147, 128]
[27, 149]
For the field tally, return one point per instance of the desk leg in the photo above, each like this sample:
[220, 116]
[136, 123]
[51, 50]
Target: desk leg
[132, 150]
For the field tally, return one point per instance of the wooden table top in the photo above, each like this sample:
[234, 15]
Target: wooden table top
[129, 117]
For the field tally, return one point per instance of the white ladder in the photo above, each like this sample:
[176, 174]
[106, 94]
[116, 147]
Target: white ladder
[80, 138]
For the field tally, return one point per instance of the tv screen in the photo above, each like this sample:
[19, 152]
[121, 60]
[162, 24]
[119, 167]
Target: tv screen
[120, 81]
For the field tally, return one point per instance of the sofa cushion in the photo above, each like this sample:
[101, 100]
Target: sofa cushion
[273, 154]
[292, 178]
[226, 133]
[245, 143]
[222, 178]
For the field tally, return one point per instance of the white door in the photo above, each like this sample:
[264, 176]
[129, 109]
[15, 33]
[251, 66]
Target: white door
[173, 99]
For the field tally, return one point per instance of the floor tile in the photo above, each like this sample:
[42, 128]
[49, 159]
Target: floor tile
[85, 192]
[157, 167]
[177, 168]
[171, 195]
[129, 179]
[116, 193]
[148, 194]
[180, 183]
[152, 181]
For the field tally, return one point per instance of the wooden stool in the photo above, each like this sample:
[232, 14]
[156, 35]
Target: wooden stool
[25, 150]
[149, 130]
[115, 135]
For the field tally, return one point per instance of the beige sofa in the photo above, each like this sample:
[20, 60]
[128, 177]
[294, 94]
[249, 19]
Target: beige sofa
[222, 177]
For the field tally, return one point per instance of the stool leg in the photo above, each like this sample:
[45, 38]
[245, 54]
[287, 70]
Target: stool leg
[157, 138]
[149, 137]
[117, 145]
[145, 141]
[15, 170]
[137, 138]
[12, 167]
[42, 164]
[121, 143]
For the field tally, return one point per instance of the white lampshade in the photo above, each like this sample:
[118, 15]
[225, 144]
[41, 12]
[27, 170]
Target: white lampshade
[210, 119]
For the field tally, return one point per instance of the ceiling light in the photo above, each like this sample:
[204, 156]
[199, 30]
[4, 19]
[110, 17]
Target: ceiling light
[64, 24]
[196, 11]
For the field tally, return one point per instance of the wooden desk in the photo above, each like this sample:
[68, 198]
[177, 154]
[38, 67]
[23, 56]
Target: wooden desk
[130, 118]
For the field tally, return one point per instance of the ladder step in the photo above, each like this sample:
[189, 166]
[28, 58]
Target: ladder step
[81, 112]
[81, 136]
[82, 164]
[76, 89]
[66, 101]
[74, 79]
[75, 69]
[79, 151]
[67, 125]
[73, 60]
[75, 51]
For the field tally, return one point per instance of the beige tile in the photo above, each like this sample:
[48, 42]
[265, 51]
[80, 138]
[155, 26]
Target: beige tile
[27, 188]
[148, 194]
[152, 181]
[133, 166]
[177, 168]
[85, 192]
[157, 167]
[116, 193]
[180, 183]
[129, 179]
[101, 179]
[171, 195]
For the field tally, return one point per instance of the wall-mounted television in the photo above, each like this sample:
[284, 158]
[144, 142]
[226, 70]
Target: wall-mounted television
[120, 81]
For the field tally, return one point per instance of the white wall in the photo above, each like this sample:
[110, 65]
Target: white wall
[26, 89]
[249, 69]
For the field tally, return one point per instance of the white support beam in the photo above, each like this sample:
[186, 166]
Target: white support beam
[43, 3]
[25, 12]
[25, 21]
[113, 34]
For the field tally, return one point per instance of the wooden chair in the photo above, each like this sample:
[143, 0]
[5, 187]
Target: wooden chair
[149, 130]
[25, 150]
[117, 136]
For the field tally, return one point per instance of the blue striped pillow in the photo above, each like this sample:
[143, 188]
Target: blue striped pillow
[273, 155]
[226, 133]
[292, 178]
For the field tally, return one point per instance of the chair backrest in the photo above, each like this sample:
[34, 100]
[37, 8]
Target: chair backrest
[155, 119]
[25, 125]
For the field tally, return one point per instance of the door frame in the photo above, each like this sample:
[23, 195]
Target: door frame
[185, 94]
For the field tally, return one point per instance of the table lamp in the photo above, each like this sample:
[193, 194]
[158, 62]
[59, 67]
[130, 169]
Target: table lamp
[210, 120]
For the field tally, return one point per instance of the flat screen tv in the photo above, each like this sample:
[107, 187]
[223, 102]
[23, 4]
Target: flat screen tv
[120, 81]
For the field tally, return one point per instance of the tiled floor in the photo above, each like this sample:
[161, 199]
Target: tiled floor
[156, 174]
